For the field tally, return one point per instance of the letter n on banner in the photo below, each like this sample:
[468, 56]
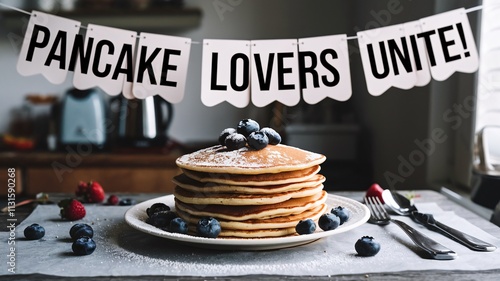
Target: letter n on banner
[47, 47]
[275, 74]
[225, 74]
[161, 66]
[324, 68]
[450, 44]
[107, 61]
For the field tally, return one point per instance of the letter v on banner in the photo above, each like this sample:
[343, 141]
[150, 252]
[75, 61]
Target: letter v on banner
[47, 47]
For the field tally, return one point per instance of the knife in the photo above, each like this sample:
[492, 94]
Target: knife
[472, 242]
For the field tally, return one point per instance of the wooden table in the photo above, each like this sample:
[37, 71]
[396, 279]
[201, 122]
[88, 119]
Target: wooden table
[425, 196]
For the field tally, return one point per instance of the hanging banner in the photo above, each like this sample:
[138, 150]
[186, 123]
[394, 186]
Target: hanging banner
[161, 66]
[225, 72]
[47, 47]
[450, 44]
[107, 61]
[324, 68]
[274, 72]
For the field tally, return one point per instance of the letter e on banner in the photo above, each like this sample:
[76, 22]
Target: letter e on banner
[324, 68]
[110, 65]
[161, 66]
[47, 46]
[225, 72]
[274, 74]
[450, 44]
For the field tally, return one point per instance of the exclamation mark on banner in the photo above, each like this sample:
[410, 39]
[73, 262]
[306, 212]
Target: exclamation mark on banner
[462, 38]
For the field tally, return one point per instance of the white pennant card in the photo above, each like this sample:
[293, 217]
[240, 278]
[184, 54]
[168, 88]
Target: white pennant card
[110, 63]
[225, 72]
[324, 68]
[387, 59]
[450, 44]
[420, 62]
[274, 72]
[161, 66]
[47, 46]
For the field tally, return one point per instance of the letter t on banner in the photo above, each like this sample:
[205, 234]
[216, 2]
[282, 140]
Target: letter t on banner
[225, 72]
[47, 47]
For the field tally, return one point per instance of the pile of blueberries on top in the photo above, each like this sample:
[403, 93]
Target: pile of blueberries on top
[248, 132]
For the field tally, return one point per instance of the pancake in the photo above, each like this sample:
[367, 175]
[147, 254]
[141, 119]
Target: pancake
[188, 183]
[248, 212]
[245, 161]
[191, 197]
[247, 234]
[255, 179]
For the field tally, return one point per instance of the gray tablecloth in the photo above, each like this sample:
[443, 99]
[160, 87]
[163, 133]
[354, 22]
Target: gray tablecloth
[124, 251]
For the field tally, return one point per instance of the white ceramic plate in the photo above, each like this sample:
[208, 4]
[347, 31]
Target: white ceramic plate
[136, 218]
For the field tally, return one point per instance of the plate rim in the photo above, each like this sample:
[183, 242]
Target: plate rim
[133, 220]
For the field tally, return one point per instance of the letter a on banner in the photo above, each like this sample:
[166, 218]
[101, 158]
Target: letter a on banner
[47, 47]
[225, 72]
[110, 63]
[324, 68]
[450, 44]
[275, 75]
[161, 66]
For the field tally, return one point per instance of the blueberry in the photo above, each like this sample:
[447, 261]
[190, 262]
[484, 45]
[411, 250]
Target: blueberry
[257, 140]
[208, 227]
[178, 225]
[273, 136]
[328, 221]
[342, 213]
[235, 141]
[306, 226]
[80, 230]
[83, 246]
[247, 126]
[366, 246]
[34, 232]
[223, 135]
[157, 207]
[126, 202]
[162, 219]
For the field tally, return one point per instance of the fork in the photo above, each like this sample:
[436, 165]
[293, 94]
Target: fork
[380, 216]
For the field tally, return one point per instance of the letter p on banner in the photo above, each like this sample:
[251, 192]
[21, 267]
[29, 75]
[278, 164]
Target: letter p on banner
[47, 46]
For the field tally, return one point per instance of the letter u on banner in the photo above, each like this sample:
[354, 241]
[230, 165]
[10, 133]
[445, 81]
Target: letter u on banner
[161, 66]
[110, 63]
[47, 47]
[274, 74]
[324, 68]
[225, 72]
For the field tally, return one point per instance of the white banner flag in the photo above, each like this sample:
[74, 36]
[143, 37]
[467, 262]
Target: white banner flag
[275, 73]
[225, 72]
[110, 62]
[161, 66]
[47, 47]
[324, 68]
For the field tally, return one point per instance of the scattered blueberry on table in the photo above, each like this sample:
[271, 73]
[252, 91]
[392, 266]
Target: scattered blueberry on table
[83, 246]
[306, 226]
[34, 232]
[80, 230]
[366, 246]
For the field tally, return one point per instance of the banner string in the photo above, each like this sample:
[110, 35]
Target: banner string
[469, 10]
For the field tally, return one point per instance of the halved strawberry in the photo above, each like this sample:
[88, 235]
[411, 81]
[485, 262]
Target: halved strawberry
[72, 209]
[375, 191]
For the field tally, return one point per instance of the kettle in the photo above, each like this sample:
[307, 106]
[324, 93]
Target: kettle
[141, 122]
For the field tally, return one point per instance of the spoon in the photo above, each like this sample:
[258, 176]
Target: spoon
[403, 206]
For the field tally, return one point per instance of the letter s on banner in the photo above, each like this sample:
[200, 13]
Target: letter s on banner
[450, 44]
[111, 60]
[47, 46]
[225, 72]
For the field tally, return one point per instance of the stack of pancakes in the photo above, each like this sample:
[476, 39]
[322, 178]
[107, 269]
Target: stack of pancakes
[252, 193]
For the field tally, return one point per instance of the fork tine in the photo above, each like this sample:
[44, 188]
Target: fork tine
[376, 209]
[380, 208]
[371, 207]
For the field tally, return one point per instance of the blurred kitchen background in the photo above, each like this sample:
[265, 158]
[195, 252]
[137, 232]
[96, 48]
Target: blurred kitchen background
[366, 139]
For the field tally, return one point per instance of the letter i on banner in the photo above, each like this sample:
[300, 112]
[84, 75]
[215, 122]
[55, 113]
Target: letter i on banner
[225, 72]
[387, 59]
[324, 68]
[47, 47]
[161, 66]
[450, 44]
[274, 74]
[110, 62]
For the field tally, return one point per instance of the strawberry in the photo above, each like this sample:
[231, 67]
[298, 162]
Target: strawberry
[81, 189]
[375, 191]
[71, 209]
[113, 200]
[91, 192]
